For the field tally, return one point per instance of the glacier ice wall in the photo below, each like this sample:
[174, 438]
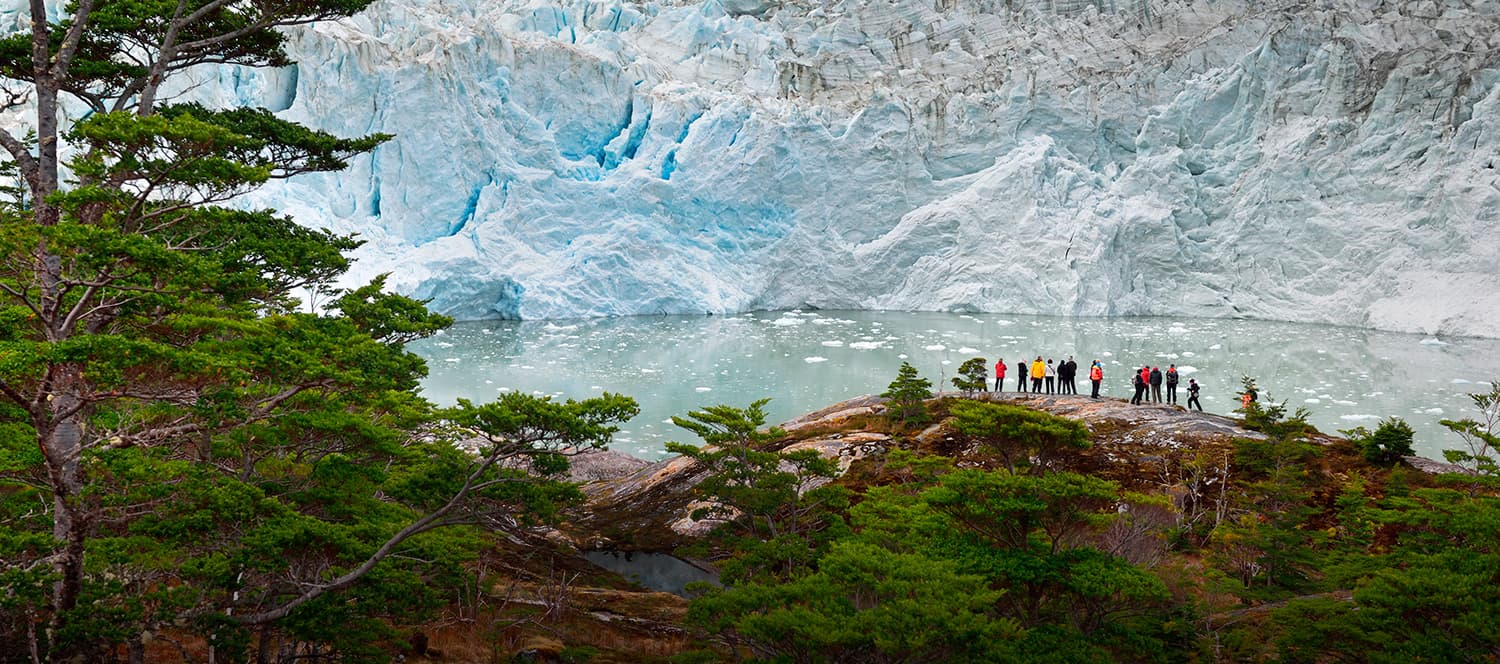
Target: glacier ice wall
[1312, 160]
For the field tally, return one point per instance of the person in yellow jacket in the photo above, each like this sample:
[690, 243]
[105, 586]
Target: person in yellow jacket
[1038, 371]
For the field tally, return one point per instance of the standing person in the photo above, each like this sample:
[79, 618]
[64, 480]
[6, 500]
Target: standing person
[1156, 384]
[1096, 376]
[1141, 378]
[1000, 375]
[1072, 376]
[1171, 383]
[1038, 371]
[1021, 375]
[1062, 377]
[1051, 375]
[1193, 395]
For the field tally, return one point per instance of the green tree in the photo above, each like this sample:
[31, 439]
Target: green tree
[780, 501]
[180, 448]
[1481, 436]
[973, 376]
[908, 396]
[1021, 436]
[1384, 446]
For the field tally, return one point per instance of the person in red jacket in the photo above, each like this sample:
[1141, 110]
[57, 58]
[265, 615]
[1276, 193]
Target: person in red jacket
[1096, 376]
[999, 375]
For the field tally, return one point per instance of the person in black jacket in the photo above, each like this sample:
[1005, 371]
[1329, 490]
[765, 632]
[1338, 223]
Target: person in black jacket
[1193, 395]
[1021, 375]
[1156, 384]
[1072, 376]
[1140, 388]
[1171, 383]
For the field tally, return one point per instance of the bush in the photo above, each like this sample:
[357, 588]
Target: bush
[1385, 446]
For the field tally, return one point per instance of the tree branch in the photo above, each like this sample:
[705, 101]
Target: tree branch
[70, 41]
[28, 164]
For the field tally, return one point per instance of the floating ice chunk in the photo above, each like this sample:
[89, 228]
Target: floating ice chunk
[1216, 347]
[1461, 381]
[645, 370]
[701, 388]
[1185, 370]
[1433, 411]
[1344, 402]
[868, 345]
[452, 359]
[444, 344]
[1312, 401]
[1106, 354]
[834, 343]
[1433, 341]
[935, 347]
[1188, 353]
[902, 356]
[968, 351]
[814, 359]
[947, 362]
[1177, 330]
[786, 321]
[1359, 417]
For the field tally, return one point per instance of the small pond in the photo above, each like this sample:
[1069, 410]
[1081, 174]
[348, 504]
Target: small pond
[658, 571]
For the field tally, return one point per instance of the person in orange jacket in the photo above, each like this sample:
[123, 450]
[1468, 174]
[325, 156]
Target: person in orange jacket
[1096, 376]
[999, 375]
[1038, 371]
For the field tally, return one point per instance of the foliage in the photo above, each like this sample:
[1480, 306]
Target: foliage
[1481, 436]
[956, 565]
[184, 450]
[973, 376]
[908, 396]
[779, 501]
[1021, 436]
[1384, 446]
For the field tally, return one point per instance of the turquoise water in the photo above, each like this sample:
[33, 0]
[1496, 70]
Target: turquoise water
[805, 360]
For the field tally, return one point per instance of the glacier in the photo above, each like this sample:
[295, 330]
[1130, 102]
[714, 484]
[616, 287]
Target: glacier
[1330, 161]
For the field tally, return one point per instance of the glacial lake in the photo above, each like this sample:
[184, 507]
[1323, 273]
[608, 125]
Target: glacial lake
[806, 360]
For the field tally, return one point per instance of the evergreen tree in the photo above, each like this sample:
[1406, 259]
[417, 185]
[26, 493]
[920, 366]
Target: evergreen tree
[1384, 446]
[973, 376]
[908, 396]
[180, 447]
[1481, 435]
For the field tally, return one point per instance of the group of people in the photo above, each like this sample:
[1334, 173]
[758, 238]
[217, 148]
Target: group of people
[1060, 378]
[1154, 377]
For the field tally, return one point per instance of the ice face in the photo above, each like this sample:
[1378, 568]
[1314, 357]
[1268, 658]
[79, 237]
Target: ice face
[1331, 162]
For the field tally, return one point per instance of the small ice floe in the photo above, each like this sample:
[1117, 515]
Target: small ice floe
[1312, 401]
[1433, 341]
[814, 359]
[1106, 354]
[902, 356]
[968, 351]
[1433, 411]
[1177, 330]
[444, 344]
[1188, 353]
[1344, 402]
[453, 359]
[947, 362]
[1358, 417]
[1461, 381]
[786, 321]
[667, 422]
[644, 370]
[595, 387]
[489, 382]
[1216, 347]
[503, 389]
[1185, 370]
[701, 388]
[866, 345]
[833, 343]
[935, 347]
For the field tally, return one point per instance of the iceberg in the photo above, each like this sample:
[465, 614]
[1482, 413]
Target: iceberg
[1328, 161]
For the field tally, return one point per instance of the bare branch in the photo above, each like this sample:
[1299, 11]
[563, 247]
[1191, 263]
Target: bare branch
[28, 164]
